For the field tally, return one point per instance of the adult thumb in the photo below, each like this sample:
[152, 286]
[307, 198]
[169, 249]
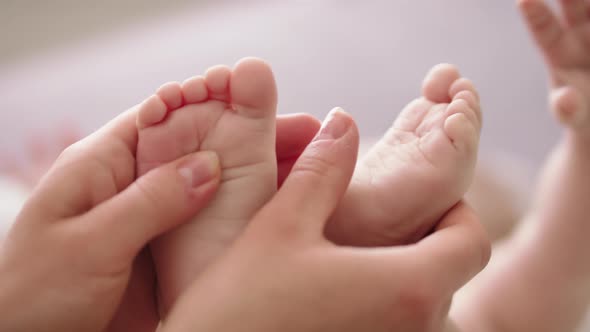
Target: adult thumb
[319, 177]
[155, 203]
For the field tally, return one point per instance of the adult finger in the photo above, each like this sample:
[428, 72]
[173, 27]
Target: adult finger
[138, 310]
[319, 178]
[82, 175]
[122, 129]
[542, 22]
[294, 132]
[113, 148]
[457, 250]
[156, 202]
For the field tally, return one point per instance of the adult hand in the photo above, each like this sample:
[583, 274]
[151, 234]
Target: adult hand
[71, 262]
[283, 275]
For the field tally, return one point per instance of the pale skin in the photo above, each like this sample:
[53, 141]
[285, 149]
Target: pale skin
[282, 274]
[426, 160]
[539, 281]
[562, 101]
[231, 112]
[56, 241]
[429, 153]
[89, 198]
[57, 274]
[444, 119]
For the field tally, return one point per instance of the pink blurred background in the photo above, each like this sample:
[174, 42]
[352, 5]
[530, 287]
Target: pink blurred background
[83, 63]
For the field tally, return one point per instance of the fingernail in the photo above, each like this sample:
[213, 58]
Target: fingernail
[334, 126]
[200, 169]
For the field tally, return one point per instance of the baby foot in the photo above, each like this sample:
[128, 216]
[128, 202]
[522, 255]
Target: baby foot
[418, 170]
[231, 112]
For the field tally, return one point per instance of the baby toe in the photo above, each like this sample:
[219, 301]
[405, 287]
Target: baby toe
[253, 88]
[171, 95]
[438, 81]
[152, 111]
[461, 127]
[194, 90]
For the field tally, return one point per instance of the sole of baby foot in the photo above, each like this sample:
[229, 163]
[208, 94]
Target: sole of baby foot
[418, 170]
[228, 111]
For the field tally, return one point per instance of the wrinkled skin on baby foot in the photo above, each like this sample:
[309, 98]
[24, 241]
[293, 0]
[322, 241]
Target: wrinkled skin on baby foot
[421, 167]
[230, 111]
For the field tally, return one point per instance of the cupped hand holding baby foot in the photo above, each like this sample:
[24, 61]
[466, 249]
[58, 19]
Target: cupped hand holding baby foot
[75, 260]
[66, 263]
[282, 274]
[71, 261]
